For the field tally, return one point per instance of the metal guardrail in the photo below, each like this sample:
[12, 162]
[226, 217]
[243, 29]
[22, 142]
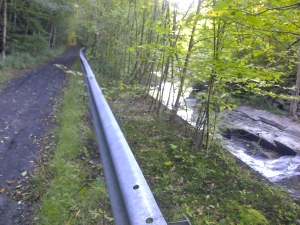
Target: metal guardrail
[131, 199]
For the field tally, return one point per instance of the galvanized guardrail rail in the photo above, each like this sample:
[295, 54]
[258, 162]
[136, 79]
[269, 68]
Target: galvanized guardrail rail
[131, 199]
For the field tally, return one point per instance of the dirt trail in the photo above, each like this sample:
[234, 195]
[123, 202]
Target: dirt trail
[25, 103]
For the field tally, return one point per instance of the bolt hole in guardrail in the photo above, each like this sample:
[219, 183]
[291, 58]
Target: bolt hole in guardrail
[149, 220]
[135, 187]
[120, 167]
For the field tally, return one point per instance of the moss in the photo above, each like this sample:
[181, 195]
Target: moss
[244, 215]
[252, 216]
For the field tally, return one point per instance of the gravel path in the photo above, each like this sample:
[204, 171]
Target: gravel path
[25, 103]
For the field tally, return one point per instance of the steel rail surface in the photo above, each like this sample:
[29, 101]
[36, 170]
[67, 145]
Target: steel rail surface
[131, 198]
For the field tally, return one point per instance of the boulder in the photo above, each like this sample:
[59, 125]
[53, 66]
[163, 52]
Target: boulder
[271, 131]
[287, 146]
[274, 120]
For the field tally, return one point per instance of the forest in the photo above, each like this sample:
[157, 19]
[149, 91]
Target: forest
[222, 52]
[232, 48]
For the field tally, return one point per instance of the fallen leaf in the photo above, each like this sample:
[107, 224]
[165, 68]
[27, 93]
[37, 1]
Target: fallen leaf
[168, 163]
[77, 213]
[24, 173]
[200, 209]
[26, 197]
[10, 182]
[2, 190]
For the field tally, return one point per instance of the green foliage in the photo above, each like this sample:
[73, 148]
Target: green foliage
[247, 44]
[208, 188]
[21, 61]
[261, 103]
[35, 26]
[244, 215]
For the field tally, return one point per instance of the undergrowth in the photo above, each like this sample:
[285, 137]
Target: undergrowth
[262, 103]
[71, 186]
[20, 60]
[209, 187]
[259, 103]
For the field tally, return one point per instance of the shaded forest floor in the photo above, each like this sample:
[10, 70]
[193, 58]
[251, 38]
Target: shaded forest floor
[27, 108]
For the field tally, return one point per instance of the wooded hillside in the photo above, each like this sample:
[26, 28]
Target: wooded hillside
[32, 26]
[229, 48]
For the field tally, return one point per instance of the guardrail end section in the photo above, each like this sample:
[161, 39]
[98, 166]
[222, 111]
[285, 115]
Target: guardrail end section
[185, 221]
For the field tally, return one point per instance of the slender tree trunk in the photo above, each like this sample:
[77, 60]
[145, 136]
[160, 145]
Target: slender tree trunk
[294, 103]
[15, 15]
[54, 37]
[1, 1]
[10, 14]
[50, 36]
[186, 63]
[4, 29]
[172, 84]
[26, 31]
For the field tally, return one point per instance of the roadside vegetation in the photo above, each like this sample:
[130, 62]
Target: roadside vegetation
[17, 64]
[69, 183]
[226, 47]
[32, 31]
[211, 186]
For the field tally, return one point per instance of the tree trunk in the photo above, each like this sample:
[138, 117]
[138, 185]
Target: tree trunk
[26, 31]
[15, 15]
[50, 36]
[54, 37]
[294, 103]
[4, 29]
[1, 1]
[186, 64]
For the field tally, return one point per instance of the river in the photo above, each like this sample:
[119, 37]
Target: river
[284, 171]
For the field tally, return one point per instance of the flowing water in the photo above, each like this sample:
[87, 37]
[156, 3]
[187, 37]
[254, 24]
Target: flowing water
[282, 170]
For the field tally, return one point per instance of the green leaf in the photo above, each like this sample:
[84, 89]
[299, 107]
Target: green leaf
[177, 157]
[222, 222]
[174, 147]
[220, 5]
[235, 14]
[83, 190]
[253, 19]
[189, 18]
[257, 52]
[168, 163]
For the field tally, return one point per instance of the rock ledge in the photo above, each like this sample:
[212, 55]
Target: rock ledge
[271, 131]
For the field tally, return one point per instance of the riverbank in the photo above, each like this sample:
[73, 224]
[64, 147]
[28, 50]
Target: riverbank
[209, 187]
[268, 143]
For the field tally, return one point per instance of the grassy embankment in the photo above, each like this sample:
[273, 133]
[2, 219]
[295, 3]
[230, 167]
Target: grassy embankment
[71, 185]
[209, 187]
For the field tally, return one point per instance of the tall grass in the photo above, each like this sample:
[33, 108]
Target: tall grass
[70, 195]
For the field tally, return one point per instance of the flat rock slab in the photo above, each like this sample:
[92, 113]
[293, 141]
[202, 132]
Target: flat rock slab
[272, 131]
[25, 102]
